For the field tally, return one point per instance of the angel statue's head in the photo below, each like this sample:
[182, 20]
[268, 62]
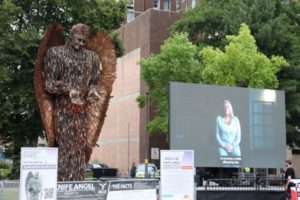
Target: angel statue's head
[79, 35]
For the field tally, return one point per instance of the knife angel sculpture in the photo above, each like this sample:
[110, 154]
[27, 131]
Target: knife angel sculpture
[73, 82]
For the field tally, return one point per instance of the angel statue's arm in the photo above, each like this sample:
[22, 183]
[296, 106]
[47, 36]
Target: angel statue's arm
[52, 71]
[94, 87]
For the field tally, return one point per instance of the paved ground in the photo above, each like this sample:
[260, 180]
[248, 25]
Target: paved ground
[9, 194]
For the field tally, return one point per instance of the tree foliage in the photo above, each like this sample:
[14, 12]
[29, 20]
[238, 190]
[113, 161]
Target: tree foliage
[178, 60]
[22, 24]
[240, 64]
[275, 27]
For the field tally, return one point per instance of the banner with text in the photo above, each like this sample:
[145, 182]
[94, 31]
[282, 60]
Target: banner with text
[82, 190]
[133, 190]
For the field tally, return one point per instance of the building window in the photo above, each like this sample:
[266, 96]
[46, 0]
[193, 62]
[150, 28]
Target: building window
[178, 5]
[193, 3]
[167, 4]
[130, 4]
[130, 15]
[156, 4]
[130, 11]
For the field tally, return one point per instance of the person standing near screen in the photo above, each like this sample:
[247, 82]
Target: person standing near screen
[228, 132]
[289, 171]
[289, 174]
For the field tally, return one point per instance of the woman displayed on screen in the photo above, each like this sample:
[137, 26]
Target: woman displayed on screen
[228, 132]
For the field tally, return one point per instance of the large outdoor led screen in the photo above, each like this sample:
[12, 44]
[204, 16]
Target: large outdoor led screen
[228, 126]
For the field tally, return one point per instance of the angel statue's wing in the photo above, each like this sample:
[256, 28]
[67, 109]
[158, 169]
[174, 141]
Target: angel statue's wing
[104, 47]
[53, 37]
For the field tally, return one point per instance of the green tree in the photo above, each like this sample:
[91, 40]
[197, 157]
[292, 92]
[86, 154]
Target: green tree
[275, 27]
[22, 24]
[178, 60]
[240, 64]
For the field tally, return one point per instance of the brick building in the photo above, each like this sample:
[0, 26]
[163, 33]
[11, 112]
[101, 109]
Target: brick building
[124, 139]
[137, 7]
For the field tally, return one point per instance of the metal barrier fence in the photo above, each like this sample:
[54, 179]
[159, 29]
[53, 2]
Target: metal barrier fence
[244, 184]
[104, 189]
[9, 190]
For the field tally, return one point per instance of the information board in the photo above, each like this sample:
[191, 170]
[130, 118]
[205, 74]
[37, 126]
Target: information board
[177, 175]
[38, 179]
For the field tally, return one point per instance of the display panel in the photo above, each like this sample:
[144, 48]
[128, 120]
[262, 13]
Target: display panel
[228, 126]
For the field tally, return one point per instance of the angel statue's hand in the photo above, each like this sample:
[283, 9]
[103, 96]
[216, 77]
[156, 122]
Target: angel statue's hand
[60, 85]
[75, 97]
[229, 148]
[93, 95]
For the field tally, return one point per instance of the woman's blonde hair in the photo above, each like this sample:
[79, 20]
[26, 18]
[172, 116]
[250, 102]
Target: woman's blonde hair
[229, 107]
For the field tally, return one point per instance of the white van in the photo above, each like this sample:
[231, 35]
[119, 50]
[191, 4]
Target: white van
[151, 170]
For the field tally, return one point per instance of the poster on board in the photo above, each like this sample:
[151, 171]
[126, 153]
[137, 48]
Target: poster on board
[155, 153]
[177, 168]
[38, 178]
